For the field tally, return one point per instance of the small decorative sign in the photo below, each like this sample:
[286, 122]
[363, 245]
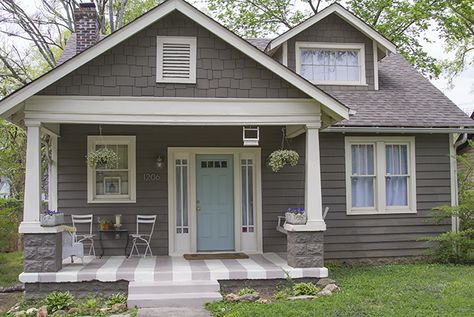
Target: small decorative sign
[151, 177]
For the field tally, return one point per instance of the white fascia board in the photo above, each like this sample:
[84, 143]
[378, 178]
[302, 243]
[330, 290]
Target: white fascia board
[345, 15]
[336, 109]
[400, 130]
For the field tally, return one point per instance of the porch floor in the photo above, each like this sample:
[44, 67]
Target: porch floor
[176, 268]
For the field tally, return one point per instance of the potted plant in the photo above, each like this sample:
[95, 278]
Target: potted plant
[51, 218]
[103, 157]
[295, 216]
[279, 158]
[104, 224]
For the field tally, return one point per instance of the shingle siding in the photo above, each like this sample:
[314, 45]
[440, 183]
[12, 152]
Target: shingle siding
[129, 69]
[333, 29]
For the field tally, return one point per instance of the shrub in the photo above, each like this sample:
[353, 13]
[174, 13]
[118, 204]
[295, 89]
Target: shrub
[119, 298]
[282, 294]
[59, 301]
[305, 289]
[244, 291]
[10, 217]
[458, 247]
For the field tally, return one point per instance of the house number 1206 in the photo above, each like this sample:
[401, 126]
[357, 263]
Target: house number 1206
[151, 177]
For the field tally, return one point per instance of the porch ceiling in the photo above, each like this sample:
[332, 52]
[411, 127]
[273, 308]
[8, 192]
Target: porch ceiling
[165, 268]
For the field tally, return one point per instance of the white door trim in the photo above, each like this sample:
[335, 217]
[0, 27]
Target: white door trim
[179, 246]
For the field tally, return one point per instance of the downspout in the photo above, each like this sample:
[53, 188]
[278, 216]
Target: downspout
[453, 146]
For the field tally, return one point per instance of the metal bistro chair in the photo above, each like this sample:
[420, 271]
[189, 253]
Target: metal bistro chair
[142, 239]
[88, 238]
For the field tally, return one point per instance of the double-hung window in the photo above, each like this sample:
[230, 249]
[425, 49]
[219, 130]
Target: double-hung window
[331, 63]
[380, 175]
[112, 184]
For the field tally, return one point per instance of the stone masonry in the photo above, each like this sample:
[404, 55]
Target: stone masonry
[305, 249]
[43, 252]
[79, 289]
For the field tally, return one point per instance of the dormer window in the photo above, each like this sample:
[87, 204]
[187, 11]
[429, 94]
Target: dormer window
[331, 63]
[176, 59]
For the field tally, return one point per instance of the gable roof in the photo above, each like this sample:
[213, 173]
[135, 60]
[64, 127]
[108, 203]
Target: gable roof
[9, 104]
[344, 14]
[405, 99]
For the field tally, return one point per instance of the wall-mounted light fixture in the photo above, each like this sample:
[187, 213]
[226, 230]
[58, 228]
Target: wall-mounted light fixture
[250, 136]
[159, 162]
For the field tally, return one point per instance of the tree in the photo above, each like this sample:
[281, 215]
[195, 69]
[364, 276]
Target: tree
[456, 26]
[12, 157]
[401, 21]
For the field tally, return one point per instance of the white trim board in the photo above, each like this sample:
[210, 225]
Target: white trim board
[180, 245]
[345, 15]
[9, 104]
[186, 111]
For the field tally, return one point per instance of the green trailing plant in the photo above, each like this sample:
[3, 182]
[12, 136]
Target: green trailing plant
[279, 158]
[245, 291]
[118, 298]
[458, 246]
[103, 157]
[59, 301]
[309, 288]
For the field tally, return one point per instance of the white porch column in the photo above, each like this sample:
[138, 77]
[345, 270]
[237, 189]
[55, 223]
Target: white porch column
[53, 175]
[313, 195]
[32, 199]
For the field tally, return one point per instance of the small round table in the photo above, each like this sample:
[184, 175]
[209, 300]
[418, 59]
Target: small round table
[118, 233]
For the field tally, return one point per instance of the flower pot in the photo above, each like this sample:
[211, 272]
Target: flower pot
[51, 220]
[295, 218]
[106, 227]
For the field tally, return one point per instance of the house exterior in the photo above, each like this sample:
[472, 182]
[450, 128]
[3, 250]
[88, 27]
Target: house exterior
[176, 88]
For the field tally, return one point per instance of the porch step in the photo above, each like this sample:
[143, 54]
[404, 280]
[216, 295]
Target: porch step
[172, 293]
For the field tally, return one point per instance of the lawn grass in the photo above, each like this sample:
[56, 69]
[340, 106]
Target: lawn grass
[390, 290]
[11, 265]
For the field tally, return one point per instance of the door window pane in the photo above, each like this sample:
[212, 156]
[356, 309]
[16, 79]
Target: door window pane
[247, 195]
[181, 196]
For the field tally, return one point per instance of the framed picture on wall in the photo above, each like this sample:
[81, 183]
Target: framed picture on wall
[112, 185]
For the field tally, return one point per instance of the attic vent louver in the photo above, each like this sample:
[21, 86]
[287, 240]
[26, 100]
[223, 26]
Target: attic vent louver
[176, 59]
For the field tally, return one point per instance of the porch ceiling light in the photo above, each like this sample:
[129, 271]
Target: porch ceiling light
[160, 163]
[251, 136]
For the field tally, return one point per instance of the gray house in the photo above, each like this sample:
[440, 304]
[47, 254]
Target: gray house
[174, 94]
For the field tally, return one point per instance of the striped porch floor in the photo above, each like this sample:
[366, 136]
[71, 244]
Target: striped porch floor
[166, 268]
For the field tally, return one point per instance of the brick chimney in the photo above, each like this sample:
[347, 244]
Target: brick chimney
[86, 26]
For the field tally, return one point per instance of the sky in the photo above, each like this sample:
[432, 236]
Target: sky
[462, 94]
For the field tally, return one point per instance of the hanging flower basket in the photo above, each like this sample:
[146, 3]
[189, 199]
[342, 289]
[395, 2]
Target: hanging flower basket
[104, 157]
[296, 216]
[279, 158]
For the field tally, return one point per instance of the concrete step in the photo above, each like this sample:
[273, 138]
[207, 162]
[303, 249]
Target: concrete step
[172, 300]
[173, 287]
[172, 293]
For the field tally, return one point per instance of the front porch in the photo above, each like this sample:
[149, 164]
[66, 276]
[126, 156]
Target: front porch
[173, 269]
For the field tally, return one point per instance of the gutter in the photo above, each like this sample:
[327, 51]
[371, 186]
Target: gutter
[399, 130]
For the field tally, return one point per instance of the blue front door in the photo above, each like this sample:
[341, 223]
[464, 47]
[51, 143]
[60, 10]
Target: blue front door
[215, 202]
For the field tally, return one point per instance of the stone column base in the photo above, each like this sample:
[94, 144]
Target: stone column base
[305, 248]
[43, 252]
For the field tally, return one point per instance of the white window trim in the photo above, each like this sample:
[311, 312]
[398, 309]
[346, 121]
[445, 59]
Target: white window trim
[334, 46]
[379, 188]
[192, 41]
[92, 141]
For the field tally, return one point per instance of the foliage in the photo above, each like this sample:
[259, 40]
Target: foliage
[245, 291]
[458, 247]
[388, 290]
[279, 158]
[11, 265]
[58, 301]
[12, 156]
[103, 158]
[281, 294]
[10, 218]
[305, 289]
[118, 298]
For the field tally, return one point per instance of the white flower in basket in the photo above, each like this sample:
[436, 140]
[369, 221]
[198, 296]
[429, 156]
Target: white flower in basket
[296, 216]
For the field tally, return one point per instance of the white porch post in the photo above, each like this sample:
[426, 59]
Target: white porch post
[313, 194]
[32, 199]
[53, 175]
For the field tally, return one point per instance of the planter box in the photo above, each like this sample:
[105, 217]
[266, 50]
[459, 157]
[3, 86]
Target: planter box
[295, 219]
[51, 220]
